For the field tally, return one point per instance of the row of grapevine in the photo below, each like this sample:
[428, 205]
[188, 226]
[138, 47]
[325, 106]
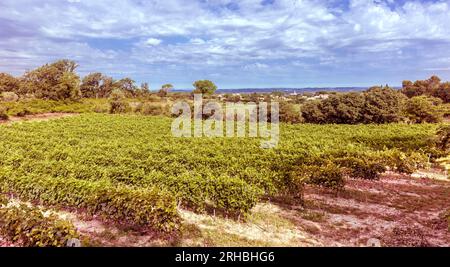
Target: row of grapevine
[131, 169]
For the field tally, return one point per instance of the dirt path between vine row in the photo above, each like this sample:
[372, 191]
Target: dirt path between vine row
[38, 117]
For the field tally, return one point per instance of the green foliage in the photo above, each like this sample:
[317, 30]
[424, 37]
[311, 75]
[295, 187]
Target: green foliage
[290, 113]
[431, 87]
[118, 103]
[3, 115]
[37, 106]
[92, 86]
[165, 90]
[225, 193]
[138, 207]
[30, 228]
[361, 168]
[127, 86]
[376, 105]
[327, 175]
[443, 138]
[204, 87]
[383, 105]
[101, 163]
[8, 83]
[55, 81]
[406, 163]
[420, 109]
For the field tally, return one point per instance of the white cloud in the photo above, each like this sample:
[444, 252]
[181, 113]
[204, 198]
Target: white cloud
[153, 41]
[205, 34]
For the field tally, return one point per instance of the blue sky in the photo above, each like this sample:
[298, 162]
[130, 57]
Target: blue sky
[248, 43]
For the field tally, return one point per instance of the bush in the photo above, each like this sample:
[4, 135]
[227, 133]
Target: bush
[443, 138]
[153, 109]
[290, 113]
[118, 103]
[29, 227]
[359, 168]
[9, 97]
[376, 105]
[420, 109]
[3, 115]
[406, 163]
[329, 175]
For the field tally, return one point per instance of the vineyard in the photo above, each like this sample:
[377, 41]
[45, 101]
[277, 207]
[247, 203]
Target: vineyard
[129, 170]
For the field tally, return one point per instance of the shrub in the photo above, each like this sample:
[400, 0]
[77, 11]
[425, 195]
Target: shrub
[360, 168]
[406, 163]
[3, 115]
[100, 109]
[290, 113]
[9, 97]
[29, 227]
[420, 109]
[329, 175]
[118, 103]
[376, 105]
[153, 109]
[443, 138]
[24, 112]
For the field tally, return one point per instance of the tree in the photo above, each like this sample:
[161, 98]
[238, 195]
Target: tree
[54, 81]
[443, 92]
[420, 109]
[91, 85]
[349, 107]
[312, 112]
[429, 87]
[376, 105]
[290, 113]
[165, 89]
[128, 86]
[204, 87]
[145, 87]
[107, 86]
[8, 83]
[383, 105]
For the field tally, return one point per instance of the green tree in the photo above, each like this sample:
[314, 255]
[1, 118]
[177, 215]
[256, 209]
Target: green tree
[107, 86]
[91, 85]
[204, 87]
[312, 112]
[128, 86]
[8, 83]
[443, 92]
[383, 105]
[420, 109]
[165, 89]
[53, 81]
[429, 87]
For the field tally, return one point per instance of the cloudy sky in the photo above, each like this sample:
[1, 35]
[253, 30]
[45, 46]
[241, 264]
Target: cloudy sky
[248, 43]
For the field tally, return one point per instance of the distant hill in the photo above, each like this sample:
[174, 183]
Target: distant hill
[287, 90]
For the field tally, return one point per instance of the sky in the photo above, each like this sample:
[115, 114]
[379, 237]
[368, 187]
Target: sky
[236, 44]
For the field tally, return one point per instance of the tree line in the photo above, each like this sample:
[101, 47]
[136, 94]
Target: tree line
[59, 81]
[382, 104]
[415, 102]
